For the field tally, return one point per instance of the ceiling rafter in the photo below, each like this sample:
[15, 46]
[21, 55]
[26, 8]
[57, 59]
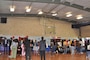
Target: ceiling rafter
[44, 6]
[57, 2]
[53, 8]
[60, 9]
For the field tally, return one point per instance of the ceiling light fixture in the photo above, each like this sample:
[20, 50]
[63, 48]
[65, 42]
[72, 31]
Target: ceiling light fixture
[79, 17]
[40, 12]
[28, 8]
[12, 8]
[54, 14]
[68, 14]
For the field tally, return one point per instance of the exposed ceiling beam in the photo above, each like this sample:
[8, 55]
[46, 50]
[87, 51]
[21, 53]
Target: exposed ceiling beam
[57, 2]
[53, 8]
[36, 15]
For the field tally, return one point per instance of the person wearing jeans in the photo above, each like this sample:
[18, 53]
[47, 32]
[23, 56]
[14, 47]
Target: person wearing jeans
[72, 49]
[42, 48]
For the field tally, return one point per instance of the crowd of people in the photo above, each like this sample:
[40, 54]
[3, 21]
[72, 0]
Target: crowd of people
[26, 47]
[68, 46]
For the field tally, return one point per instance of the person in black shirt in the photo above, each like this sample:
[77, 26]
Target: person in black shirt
[5, 45]
[27, 49]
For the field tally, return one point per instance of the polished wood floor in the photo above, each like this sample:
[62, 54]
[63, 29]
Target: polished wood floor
[49, 57]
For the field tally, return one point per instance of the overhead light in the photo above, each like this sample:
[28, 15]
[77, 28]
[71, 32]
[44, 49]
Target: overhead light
[68, 14]
[79, 17]
[28, 8]
[12, 8]
[54, 14]
[40, 12]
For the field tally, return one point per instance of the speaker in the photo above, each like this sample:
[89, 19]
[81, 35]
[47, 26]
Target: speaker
[75, 26]
[3, 20]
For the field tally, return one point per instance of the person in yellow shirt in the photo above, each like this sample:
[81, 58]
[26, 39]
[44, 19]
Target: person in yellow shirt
[65, 46]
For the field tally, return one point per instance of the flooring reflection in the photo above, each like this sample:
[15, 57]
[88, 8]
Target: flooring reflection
[49, 57]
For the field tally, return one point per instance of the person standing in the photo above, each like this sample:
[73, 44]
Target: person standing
[14, 48]
[42, 48]
[35, 47]
[5, 45]
[23, 49]
[27, 49]
[31, 45]
[9, 44]
[72, 48]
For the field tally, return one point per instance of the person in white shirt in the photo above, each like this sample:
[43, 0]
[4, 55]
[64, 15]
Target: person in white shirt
[14, 49]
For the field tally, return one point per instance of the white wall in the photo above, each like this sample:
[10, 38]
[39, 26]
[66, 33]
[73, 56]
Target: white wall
[85, 31]
[34, 26]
